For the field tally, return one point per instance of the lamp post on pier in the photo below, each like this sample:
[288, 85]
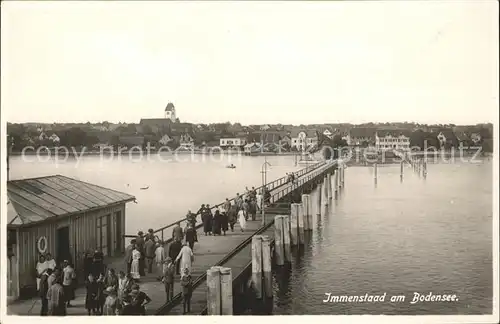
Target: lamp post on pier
[264, 188]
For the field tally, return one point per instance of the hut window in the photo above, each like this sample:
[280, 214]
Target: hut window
[103, 234]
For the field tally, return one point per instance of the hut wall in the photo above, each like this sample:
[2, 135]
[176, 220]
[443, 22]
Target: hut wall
[82, 238]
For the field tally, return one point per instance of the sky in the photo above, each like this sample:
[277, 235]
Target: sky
[251, 62]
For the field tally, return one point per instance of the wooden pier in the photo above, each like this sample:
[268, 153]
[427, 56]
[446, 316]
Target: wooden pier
[232, 250]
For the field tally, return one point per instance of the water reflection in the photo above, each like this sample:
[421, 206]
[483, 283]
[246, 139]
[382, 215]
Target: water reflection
[399, 237]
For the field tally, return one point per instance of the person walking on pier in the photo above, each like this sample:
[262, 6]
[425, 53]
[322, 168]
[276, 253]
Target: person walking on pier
[128, 254]
[187, 290]
[111, 280]
[149, 251]
[177, 234]
[41, 266]
[252, 208]
[224, 222]
[217, 223]
[69, 277]
[185, 258]
[232, 216]
[159, 258]
[91, 295]
[43, 290]
[139, 242]
[139, 300]
[242, 220]
[168, 278]
[191, 218]
[206, 218]
[191, 236]
[173, 251]
[258, 200]
[245, 208]
[226, 205]
[56, 299]
[135, 268]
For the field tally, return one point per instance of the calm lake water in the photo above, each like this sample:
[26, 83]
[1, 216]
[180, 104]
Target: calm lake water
[421, 235]
[174, 186]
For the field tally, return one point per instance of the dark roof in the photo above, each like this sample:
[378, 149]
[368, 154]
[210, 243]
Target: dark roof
[132, 140]
[309, 133]
[362, 132]
[392, 132]
[169, 107]
[38, 199]
[156, 122]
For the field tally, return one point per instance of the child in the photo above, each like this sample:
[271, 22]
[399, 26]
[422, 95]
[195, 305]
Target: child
[110, 304]
[187, 290]
[168, 278]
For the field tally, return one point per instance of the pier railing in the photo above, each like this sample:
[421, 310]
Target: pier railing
[166, 236]
[167, 307]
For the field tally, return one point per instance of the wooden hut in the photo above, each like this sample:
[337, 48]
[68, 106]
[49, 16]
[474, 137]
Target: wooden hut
[61, 216]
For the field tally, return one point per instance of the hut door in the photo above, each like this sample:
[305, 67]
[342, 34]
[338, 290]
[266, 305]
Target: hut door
[103, 237]
[118, 232]
[62, 243]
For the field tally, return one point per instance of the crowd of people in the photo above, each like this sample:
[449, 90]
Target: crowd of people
[111, 293]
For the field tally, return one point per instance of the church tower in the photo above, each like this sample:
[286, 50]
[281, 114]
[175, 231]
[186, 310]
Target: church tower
[170, 112]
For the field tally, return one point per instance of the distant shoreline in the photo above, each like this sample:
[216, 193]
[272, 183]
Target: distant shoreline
[106, 152]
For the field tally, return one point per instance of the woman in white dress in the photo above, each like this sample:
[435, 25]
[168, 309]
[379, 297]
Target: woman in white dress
[185, 257]
[259, 200]
[41, 266]
[134, 269]
[242, 220]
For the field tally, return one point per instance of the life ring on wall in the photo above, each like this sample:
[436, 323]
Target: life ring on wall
[42, 245]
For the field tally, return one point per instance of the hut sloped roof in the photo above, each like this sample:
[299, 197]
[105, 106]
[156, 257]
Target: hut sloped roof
[38, 199]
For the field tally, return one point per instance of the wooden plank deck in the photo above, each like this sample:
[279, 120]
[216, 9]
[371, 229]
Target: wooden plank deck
[208, 251]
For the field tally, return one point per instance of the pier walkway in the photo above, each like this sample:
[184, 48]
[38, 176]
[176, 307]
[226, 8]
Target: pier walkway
[232, 250]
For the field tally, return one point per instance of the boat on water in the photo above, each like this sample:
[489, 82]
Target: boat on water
[232, 166]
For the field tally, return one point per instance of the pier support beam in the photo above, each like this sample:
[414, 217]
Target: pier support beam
[329, 184]
[266, 267]
[375, 172]
[336, 182]
[220, 291]
[300, 224]
[401, 171]
[325, 191]
[318, 199]
[279, 249]
[294, 224]
[286, 238]
[306, 203]
[257, 265]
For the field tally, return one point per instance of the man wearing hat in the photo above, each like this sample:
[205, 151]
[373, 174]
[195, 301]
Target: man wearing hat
[168, 277]
[139, 242]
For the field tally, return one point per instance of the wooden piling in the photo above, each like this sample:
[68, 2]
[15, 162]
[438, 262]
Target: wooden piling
[401, 171]
[306, 203]
[325, 191]
[226, 287]
[336, 181]
[286, 238]
[294, 224]
[256, 265]
[279, 250]
[375, 172]
[214, 301]
[266, 267]
[300, 224]
[329, 184]
[318, 199]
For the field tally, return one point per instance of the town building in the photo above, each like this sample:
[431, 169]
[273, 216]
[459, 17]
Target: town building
[447, 138]
[61, 216]
[231, 142]
[386, 140]
[186, 142]
[170, 112]
[361, 136]
[303, 140]
[251, 148]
